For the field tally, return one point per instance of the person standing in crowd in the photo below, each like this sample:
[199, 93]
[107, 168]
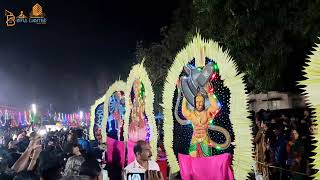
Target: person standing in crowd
[68, 144]
[74, 162]
[294, 145]
[50, 167]
[89, 170]
[4, 169]
[260, 141]
[304, 125]
[295, 161]
[85, 144]
[22, 136]
[279, 149]
[13, 153]
[142, 163]
[92, 169]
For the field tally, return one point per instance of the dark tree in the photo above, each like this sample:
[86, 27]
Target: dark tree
[268, 39]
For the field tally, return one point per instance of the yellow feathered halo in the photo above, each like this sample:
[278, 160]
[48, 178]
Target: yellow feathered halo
[139, 72]
[116, 86]
[312, 89]
[199, 49]
[92, 116]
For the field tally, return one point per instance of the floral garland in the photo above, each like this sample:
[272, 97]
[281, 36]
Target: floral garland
[312, 87]
[199, 49]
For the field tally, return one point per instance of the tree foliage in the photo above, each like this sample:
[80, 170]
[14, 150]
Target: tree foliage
[269, 40]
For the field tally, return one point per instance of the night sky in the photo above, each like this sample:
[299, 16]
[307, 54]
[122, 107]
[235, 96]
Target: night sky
[83, 48]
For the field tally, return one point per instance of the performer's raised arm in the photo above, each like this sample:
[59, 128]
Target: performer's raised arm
[185, 111]
[213, 108]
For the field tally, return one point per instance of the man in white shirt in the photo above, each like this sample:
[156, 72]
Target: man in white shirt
[142, 163]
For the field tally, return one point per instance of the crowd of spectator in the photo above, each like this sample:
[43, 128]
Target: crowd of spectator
[283, 147]
[283, 144]
[63, 154]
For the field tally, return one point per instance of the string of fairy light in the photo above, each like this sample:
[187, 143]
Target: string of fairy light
[24, 118]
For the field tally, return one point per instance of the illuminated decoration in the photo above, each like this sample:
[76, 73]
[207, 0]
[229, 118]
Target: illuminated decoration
[6, 115]
[26, 119]
[20, 118]
[116, 115]
[33, 113]
[196, 88]
[228, 88]
[3, 119]
[42, 132]
[65, 119]
[139, 114]
[159, 116]
[115, 105]
[73, 120]
[13, 117]
[81, 114]
[34, 108]
[96, 117]
[55, 117]
[312, 87]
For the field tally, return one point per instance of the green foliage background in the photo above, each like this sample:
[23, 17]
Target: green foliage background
[269, 40]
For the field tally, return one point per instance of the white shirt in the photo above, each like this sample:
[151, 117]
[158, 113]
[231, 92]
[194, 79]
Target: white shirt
[105, 175]
[135, 167]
